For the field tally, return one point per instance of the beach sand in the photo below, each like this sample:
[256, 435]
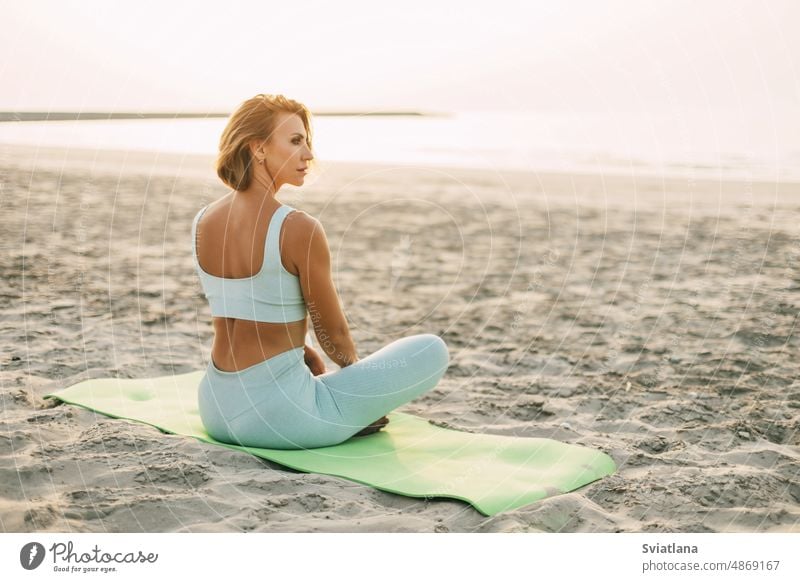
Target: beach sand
[650, 318]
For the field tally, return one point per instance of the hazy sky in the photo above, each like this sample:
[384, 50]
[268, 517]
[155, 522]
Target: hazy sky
[556, 54]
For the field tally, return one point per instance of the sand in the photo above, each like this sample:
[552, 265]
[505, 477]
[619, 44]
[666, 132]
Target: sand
[651, 318]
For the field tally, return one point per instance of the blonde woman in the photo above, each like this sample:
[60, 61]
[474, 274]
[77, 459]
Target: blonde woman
[265, 269]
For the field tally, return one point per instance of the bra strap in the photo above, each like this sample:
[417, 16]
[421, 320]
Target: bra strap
[272, 252]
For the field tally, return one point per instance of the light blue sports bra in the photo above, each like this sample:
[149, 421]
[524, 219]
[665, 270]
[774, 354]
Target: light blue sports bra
[273, 294]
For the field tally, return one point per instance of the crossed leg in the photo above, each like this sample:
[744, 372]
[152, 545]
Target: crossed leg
[393, 375]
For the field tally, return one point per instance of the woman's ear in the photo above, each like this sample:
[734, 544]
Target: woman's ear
[256, 148]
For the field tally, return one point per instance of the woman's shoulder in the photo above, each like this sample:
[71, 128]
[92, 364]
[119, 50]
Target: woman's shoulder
[212, 207]
[305, 235]
[301, 222]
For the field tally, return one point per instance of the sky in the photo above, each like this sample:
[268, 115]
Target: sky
[565, 55]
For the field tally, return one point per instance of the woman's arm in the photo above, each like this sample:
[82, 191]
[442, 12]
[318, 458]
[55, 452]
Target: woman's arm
[314, 361]
[322, 300]
[311, 356]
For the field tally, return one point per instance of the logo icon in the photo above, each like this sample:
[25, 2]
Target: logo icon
[31, 555]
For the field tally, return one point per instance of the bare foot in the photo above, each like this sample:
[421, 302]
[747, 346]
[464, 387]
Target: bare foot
[374, 427]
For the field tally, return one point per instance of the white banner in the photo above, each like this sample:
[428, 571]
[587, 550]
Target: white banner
[395, 556]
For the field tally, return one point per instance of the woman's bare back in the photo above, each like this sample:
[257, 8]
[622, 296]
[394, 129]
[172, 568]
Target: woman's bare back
[232, 246]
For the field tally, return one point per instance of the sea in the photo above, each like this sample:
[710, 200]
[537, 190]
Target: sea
[713, 143]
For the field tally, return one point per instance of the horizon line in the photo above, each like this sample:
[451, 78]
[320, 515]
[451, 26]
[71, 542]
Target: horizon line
[95, 115]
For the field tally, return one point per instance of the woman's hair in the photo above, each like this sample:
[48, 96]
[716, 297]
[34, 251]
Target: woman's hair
[255, 118]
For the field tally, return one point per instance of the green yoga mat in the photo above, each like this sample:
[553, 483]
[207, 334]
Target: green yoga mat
[410, 456]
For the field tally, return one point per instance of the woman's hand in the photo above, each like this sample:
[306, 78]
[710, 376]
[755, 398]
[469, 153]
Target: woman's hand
[314, 361]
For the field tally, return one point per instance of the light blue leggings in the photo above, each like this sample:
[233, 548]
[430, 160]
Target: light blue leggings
[280, 404]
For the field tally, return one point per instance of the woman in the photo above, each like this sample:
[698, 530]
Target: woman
[265, 270]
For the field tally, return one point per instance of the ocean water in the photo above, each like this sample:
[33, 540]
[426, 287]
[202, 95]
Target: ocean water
[716, 143]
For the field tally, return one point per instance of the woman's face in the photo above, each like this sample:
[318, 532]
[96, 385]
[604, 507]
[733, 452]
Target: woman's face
[287, 152]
